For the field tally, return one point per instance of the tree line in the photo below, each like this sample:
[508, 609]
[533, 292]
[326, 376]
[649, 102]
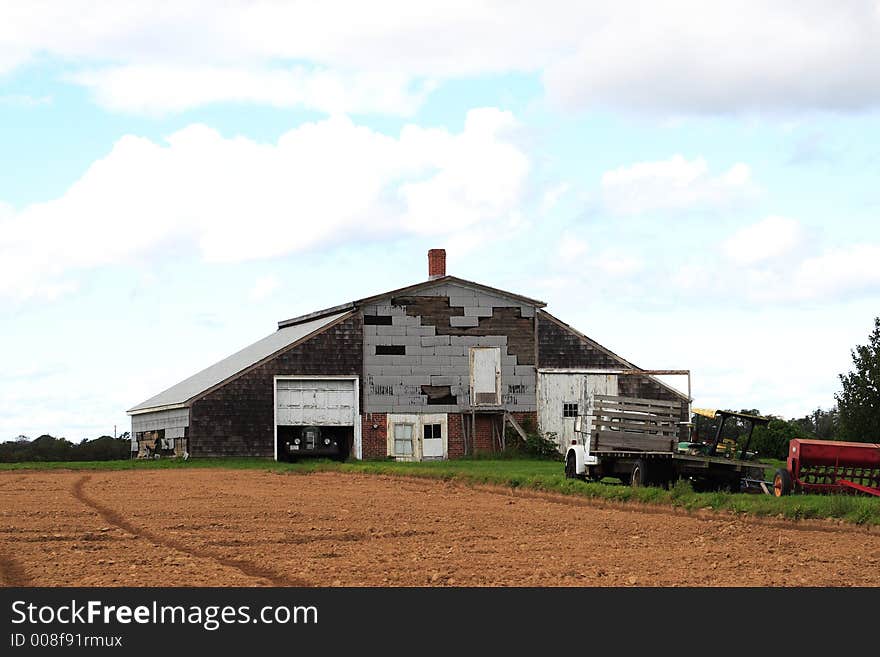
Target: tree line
[49, 448]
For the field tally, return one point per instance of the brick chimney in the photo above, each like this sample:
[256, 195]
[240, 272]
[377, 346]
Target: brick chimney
[436, 263]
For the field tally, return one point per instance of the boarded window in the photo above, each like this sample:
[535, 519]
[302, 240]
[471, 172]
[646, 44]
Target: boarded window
[403, 443]
[377, 320]
[569, 409]
[390, 350]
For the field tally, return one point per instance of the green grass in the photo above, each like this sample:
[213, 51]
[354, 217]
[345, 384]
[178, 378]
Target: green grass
[529, 474]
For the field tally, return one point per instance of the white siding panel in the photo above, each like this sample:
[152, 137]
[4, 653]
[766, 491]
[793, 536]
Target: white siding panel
[556, 389]
[176, 417]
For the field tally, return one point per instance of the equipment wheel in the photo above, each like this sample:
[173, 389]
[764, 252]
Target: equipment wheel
[782, 483]
[638, 476]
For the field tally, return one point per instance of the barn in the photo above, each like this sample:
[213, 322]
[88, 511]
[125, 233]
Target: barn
[435, 370]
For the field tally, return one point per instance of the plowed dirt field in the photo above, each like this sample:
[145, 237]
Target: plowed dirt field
[216, 527]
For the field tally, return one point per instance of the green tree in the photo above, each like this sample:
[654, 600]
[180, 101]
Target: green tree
[771, 441]
[858, 402]
[820, 424]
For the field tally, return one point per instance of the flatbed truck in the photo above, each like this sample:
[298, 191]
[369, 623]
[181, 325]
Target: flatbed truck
[701, 464]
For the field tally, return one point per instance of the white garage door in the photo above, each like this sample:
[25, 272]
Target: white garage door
[315, 401]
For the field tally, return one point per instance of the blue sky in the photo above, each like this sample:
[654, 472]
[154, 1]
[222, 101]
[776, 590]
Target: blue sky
[694, 187]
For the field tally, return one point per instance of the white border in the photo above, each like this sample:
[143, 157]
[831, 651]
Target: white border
[358, 449]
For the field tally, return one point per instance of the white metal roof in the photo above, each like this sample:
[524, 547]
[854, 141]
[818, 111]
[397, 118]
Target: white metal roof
[179, 394]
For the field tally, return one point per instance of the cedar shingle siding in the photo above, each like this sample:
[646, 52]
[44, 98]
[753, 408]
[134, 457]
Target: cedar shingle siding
[564, 348]
[236, 418]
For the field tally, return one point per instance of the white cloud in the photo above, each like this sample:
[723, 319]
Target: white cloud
[673, 184]
[234, 199]
[159, 89]
[770, 238]
[617, 264]
[24, 100]
[553, 195]
[840, 272]
[780, 272]
[264, 287]
[677, 56]
[579, 261]
[692, 56]
[572, 249]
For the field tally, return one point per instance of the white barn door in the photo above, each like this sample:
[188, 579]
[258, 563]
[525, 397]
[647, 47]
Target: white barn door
[485, 376]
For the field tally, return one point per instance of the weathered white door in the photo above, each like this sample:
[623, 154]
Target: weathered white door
[326, 402]
[485, 376]
[434, 436]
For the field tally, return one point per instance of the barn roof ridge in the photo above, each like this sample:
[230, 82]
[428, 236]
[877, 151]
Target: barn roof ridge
[440, 280]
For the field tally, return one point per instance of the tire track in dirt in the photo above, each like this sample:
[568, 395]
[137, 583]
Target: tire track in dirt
[12, 573]
[114, 518]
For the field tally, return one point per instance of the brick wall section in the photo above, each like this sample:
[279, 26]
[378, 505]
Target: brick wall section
[560, 347]
[483, 441]
[237, 418]
[374, 441]
[454, 439]
[528, 420]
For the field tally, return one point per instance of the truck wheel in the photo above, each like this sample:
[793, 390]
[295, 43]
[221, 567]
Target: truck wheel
[639, 475]
[571, 466]
[781, 483]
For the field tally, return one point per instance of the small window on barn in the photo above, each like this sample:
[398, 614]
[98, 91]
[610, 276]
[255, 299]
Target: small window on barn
[390, 350]
[377, 320]
[569, 409]
[403, 440]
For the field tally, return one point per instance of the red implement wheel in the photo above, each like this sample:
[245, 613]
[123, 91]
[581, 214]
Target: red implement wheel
[781, 483]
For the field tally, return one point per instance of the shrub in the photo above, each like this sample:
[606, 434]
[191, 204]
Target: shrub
[535, 445]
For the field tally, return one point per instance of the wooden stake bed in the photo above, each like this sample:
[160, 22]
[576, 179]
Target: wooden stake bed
[635, 440]
[630, 424]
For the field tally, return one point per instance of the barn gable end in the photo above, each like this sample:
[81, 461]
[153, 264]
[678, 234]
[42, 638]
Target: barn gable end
[236, 418]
